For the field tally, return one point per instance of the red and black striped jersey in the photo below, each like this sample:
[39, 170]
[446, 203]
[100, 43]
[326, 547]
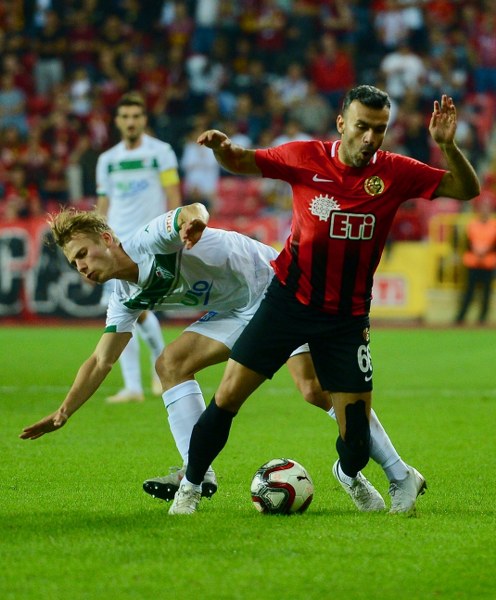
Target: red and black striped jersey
[341, 219]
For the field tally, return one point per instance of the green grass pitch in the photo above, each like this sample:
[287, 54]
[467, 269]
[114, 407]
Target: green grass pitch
[75, 523]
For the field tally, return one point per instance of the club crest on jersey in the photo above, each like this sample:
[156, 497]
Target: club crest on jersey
[322, 206]
[374, 186]
[162, 273]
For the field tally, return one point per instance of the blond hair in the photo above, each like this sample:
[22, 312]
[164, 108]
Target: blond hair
[70, 222]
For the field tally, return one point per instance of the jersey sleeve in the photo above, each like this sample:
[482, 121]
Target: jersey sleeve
[418, 179]
[160, 236]
[279, 162]
[120, 319]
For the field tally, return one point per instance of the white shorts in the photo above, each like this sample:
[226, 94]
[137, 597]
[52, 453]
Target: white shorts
[226, 329]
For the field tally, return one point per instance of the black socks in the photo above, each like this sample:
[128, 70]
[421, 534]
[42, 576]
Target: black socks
[209, 436]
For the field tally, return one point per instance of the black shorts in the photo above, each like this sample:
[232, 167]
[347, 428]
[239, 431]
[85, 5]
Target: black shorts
[339, 344]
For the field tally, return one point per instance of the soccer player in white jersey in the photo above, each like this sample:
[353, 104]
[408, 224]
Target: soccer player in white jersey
[177, 261]
[137, 180]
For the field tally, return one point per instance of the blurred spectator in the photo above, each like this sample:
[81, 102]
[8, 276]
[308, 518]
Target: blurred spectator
[21, 200]
[246, 119]
[443, 77]
[292, 133]
[332, 70]
[485, 45]
[479, 259]
[391, 25]
[114, 37]
[413, 15]
[110, 83]
[82, 50]
[54, 188]
[206, 19]
[80, 93]
[293, 86]
[50, 46]
[254, 82]
[11, 144]
[12, 105]
[34, 156]
[82, 169]
[60, 135]
[152, 80]
[338, 18]
[200, 169]
[277, 194]
[314, 113]
[268, 26]
[23, 78]
[206, 74]
[403, 71]
[177, 24]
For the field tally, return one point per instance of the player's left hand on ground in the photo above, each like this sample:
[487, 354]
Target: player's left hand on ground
[191, 232]
[50, 423]
[443, 121]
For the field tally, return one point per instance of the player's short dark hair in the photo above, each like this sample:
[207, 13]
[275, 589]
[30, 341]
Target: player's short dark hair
[368, 95]
[70, 222]
[131, 99]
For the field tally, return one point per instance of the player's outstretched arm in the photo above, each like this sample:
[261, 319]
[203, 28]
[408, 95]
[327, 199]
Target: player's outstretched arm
[88, 379]
[232, 157]
[461, 181]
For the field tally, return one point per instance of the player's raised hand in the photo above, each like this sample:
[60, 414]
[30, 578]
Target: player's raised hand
[50, 423]
[191, 232]
[443, 121]
[213, 139]
[192, 221]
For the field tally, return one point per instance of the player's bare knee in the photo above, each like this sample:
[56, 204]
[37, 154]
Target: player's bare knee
[313, 394]
[170, 369]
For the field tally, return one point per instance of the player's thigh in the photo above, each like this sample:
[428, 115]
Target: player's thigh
[190, 353]
[342, 357]
[238, 383]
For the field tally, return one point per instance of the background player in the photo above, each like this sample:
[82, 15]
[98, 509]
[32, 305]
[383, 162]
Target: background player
[137, 180]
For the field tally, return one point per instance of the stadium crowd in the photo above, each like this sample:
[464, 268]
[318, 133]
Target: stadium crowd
[265, 71]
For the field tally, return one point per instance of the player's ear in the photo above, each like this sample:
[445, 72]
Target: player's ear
[340, 124]
[107, 238]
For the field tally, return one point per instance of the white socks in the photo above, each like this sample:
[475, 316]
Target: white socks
[130, 366]
[129, 360]
[382, 450]
[184, 403]
[151, 333]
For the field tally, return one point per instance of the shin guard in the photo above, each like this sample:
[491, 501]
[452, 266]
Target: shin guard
[354, 449]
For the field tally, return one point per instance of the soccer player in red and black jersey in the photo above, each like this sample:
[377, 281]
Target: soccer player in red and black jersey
[345, 196]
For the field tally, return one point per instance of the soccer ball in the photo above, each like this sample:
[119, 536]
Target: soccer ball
[281, 486]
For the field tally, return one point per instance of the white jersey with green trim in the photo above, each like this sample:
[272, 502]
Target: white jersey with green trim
[225, 271]
[131, 181]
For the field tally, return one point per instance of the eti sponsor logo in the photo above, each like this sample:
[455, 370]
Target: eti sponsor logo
[342, 225]
[321, 206]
